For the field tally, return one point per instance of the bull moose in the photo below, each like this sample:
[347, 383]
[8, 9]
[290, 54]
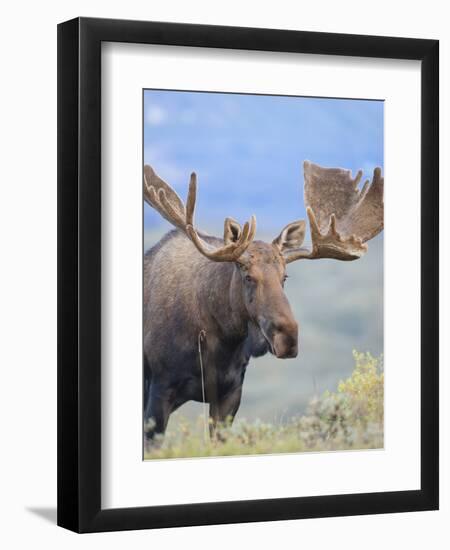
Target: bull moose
[210, 304]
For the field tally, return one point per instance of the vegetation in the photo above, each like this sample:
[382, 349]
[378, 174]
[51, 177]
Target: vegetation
[349, 418]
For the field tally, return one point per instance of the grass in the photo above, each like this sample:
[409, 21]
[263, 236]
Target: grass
[351, 417]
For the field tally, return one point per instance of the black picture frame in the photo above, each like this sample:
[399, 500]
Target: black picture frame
[79, 274]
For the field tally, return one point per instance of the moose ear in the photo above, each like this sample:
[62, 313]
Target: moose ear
[232, 231]
[291, 236]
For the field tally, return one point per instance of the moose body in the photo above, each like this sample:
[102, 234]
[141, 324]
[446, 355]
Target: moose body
[210, 304]
[186, 298]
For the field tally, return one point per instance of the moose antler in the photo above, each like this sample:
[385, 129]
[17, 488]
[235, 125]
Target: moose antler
[342, 218]
[159, 195]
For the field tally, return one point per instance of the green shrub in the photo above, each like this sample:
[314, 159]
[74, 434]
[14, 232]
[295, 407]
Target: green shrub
[365, 387]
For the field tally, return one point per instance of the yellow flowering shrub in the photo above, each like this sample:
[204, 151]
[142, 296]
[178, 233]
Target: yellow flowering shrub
[365, 387]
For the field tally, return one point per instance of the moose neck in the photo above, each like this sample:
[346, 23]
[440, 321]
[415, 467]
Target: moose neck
[223, 293]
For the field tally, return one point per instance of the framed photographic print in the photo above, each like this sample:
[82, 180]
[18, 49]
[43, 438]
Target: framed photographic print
[208, 370]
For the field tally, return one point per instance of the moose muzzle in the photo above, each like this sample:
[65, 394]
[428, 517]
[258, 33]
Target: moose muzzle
[285, 341]
[282, 337]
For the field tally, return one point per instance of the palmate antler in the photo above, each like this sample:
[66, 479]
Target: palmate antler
[342, 218]
[159, 195]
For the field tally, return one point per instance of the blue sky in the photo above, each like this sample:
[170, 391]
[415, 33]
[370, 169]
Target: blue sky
[248, 150]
